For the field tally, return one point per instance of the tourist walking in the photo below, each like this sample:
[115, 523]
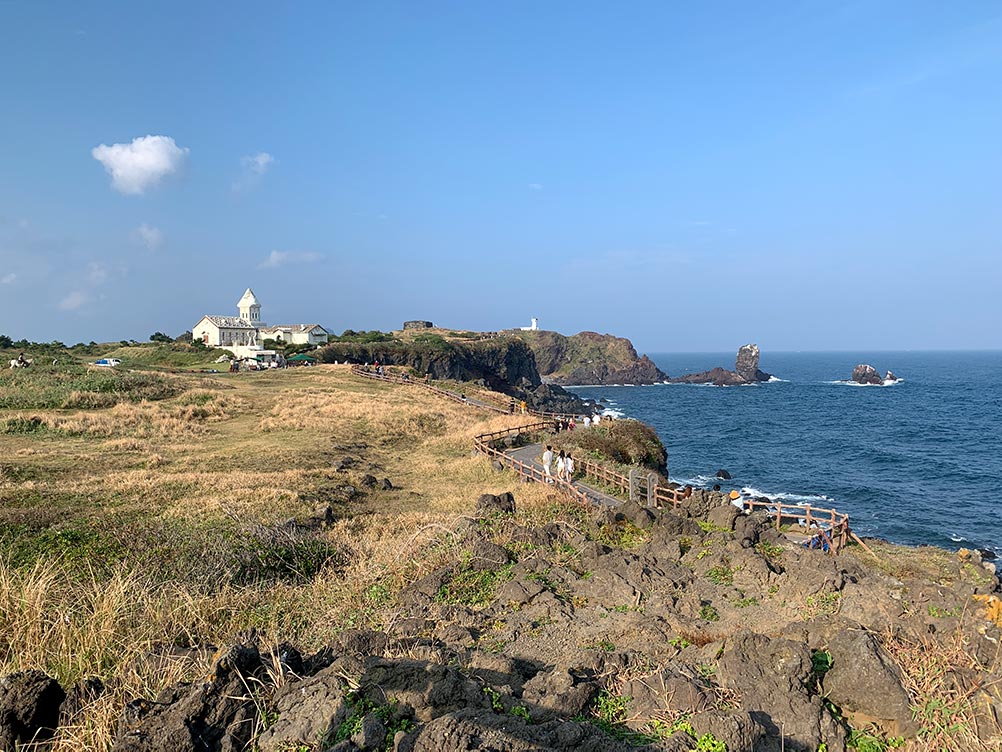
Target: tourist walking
[547, 461]
[587, 421]
[561, 465]
[569, 468]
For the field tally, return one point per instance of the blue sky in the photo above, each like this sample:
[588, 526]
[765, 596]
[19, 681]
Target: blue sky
[691, 175]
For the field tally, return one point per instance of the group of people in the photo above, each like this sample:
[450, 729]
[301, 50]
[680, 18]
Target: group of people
[564, 465]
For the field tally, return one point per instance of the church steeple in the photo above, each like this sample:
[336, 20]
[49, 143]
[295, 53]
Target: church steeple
[250, 309]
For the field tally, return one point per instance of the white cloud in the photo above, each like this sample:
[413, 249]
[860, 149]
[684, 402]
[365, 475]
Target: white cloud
[282, 258]
[8, 279]
[258, 163]
[149, 236]
[97, 273]
[253, 169]
[142, 164]
[73, 301]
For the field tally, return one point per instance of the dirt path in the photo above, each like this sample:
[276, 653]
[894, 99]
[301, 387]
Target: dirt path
[530, 455]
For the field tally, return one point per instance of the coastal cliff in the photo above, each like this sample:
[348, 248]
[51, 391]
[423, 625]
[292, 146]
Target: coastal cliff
[503, 364]
[589, 358]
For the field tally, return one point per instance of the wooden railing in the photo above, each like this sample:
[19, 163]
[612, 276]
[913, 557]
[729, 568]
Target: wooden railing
[527, 471]
[827, 528]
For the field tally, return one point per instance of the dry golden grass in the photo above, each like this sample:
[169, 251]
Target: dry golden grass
[941, 676]
[253, 454]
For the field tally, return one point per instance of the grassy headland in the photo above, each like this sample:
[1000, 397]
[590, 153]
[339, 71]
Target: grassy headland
[145, 515]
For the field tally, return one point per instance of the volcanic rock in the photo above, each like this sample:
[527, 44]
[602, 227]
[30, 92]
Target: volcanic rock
[746, 364]
[866, 374]
[746, 371]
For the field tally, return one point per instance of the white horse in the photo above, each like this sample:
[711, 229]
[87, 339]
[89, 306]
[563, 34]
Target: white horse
[19, 363]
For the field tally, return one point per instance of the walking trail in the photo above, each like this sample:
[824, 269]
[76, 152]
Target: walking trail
[530, 456]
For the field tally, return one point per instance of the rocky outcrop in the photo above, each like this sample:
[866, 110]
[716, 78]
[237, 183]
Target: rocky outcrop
[418, 325]
[746, 364]
[590, 358]
[581, 637]
[29, 708]
[746, 371]
[866, 374]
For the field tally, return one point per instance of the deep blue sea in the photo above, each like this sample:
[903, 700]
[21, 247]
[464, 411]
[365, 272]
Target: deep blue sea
[918, 461]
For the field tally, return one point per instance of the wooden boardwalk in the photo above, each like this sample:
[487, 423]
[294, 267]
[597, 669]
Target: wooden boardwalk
[823, 528]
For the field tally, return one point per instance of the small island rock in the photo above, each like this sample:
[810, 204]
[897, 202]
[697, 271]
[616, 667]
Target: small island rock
[866, 374]
[745, 371]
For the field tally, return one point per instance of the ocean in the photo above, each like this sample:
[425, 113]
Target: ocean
[918, 461]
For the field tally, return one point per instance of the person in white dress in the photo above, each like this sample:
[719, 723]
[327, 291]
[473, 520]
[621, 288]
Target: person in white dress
[561, 466]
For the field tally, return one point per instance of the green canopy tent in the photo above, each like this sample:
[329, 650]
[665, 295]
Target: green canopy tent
[302, 359]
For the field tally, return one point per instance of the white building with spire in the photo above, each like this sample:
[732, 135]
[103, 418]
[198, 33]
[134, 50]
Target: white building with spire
[243, 334]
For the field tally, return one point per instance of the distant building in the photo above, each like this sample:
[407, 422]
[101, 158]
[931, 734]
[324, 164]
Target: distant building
[533, 328]
[296, 334]
[243, 334]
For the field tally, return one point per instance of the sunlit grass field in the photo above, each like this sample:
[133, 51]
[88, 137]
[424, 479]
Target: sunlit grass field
[144, 513]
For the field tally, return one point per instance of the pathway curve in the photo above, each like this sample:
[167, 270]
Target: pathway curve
[530, 454]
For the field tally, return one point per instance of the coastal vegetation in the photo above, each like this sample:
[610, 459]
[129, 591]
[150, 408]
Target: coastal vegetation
[147, 517]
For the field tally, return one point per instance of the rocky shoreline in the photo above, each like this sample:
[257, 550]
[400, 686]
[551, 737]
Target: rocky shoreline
[597, 630]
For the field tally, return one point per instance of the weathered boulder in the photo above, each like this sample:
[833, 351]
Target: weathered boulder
[496, 504]
[217, 715]
[723, 475]
[889, 376]
[431, 689]
[866, 374]
[306, 710]
[29, 708]
[774, 678]
[866, 685]
[486, 556]
[559, 692]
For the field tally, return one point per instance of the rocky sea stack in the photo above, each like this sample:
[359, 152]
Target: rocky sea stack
[746, 371]
[867, 374]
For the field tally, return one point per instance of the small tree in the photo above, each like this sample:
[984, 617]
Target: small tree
[6, 341]
[160, 337]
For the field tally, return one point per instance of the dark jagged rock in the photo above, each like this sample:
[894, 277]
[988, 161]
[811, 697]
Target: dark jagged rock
[649, 613]
[723, 475]
[866, 374]
[866, 685]
[29, 708]
[214, 716]
[717, 376]
[746, 371]
[889, 376]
